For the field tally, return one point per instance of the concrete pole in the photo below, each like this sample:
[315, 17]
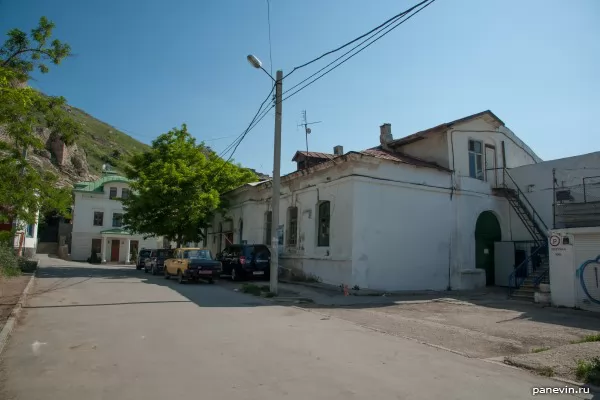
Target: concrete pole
[276, 184]
[128, 256]
[104, 249]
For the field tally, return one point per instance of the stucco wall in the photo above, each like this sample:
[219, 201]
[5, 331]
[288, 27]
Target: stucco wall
[87, 203]
[434, 149]
[81, 246]
[536, 180]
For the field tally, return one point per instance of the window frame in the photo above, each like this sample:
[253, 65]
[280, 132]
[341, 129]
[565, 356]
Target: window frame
[101, 218]
[268, 227]
[113, 220]
[110, 192]
[323, 240]
[291, 239]
[477, 156]
[100, 245]
[123, 191]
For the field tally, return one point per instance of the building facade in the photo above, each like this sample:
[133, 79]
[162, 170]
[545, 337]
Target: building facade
[417, 213]
[98, 222]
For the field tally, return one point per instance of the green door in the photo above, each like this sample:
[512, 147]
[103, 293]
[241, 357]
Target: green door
[487, 231]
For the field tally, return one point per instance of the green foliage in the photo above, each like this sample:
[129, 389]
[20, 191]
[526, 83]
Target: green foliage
[177, 186]
[588, 338]
[9, 265]
[540, 349]
[588, 371]
[22, 53]
[93, 258]
[251, 288]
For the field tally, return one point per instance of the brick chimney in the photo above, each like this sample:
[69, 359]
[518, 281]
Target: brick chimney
[338, 150]
[385, 135]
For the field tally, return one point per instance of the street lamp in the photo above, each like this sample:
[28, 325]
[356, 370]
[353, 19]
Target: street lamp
[274, 267]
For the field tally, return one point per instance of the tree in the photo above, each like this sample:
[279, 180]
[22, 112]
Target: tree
[23, 54]
[176, 187]
[23, 111]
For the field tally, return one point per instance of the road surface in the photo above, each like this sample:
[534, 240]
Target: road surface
[95, 332]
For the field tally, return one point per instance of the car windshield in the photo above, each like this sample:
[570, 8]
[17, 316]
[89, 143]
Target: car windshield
[165, 253]
[201, 254]
[145, 253]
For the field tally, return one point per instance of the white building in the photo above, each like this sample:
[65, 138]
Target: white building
[98, 222]
[26, 236]
[416, 213]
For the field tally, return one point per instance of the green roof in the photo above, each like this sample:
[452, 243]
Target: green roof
[98, 185]
[116, 231]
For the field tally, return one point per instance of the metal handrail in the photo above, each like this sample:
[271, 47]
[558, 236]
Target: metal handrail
[522, 194]
[540, 278]
[513, 277]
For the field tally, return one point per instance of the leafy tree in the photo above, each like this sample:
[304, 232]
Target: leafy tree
[23, 111]
[177, 186]
[22, 53]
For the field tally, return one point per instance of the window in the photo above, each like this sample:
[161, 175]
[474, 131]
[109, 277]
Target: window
[199, 254]
[29, 230]
[323, 227]
[98, 218]
[475, 159]
[117, 220]
[268, 226]
[125, 193]
[292, 223]
[113, 193]
[96, 245]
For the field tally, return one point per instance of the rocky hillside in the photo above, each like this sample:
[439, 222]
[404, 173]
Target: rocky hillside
[99, 144]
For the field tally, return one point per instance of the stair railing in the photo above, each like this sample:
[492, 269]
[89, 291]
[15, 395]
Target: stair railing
[514, 280]
[536, 218]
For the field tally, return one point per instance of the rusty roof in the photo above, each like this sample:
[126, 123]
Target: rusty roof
[314, 154]
[378, 152]
[442, 127]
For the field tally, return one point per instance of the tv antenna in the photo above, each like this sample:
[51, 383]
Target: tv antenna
[307, 130]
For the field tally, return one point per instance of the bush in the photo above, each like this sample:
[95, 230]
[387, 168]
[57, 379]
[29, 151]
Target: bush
[588, 371]
[9, 263]
[251, 288]
[94, 259]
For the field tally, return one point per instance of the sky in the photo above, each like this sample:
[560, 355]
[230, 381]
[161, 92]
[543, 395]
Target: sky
[146, 66]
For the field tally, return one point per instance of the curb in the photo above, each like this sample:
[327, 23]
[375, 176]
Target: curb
[11, 322]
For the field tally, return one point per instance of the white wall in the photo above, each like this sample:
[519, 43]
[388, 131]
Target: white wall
[536, 180]
[30, 242]
[86, 203]
[433, 149]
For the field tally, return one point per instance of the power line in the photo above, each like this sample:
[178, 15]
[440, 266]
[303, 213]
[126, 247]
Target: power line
[255, 121]
[394, 26]
[356, 39]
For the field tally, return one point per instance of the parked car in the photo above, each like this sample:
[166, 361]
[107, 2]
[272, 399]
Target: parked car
[156, 261]
[192, 264]
[141, 259]
[246, 261]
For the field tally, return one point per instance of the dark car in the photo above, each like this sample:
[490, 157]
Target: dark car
[246, 261]
[142, 256]
[157, 259]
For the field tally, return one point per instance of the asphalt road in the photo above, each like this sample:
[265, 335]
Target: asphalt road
[116, 333]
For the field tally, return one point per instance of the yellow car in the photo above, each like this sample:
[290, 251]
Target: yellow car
[192, 264]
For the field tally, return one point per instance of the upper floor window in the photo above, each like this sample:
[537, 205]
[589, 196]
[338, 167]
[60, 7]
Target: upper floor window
[323, 224]
[475, 159]
[124, 193]
[113, 193]
[98, 218]
[292, 224]
[117, 220]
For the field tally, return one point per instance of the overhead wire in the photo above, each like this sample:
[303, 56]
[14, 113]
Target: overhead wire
[377, 28]
[385, 32]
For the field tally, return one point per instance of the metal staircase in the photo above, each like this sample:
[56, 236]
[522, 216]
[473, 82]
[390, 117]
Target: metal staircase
[527, 276]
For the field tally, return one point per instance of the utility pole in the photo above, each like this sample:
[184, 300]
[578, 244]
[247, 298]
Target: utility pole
[276, 185]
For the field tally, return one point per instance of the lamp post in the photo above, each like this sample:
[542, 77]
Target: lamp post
[274, 267]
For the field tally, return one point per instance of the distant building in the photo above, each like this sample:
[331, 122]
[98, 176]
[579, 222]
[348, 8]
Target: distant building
[98, 221]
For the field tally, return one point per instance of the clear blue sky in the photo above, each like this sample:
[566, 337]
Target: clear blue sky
[147, 66]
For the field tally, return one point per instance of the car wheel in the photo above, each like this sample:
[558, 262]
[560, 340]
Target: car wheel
[138, 267]
[153, 271]
[234, 276]
[167, 276]
[180, 278]
[145, 270]
[211, 281]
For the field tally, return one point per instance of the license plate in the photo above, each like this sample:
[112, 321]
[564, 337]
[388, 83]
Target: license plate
[258, 272]
[205, 272]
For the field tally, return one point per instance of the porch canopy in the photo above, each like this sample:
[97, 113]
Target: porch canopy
[115, 233]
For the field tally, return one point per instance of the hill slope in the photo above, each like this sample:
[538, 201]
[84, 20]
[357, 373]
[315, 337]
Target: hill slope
[103, 143]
